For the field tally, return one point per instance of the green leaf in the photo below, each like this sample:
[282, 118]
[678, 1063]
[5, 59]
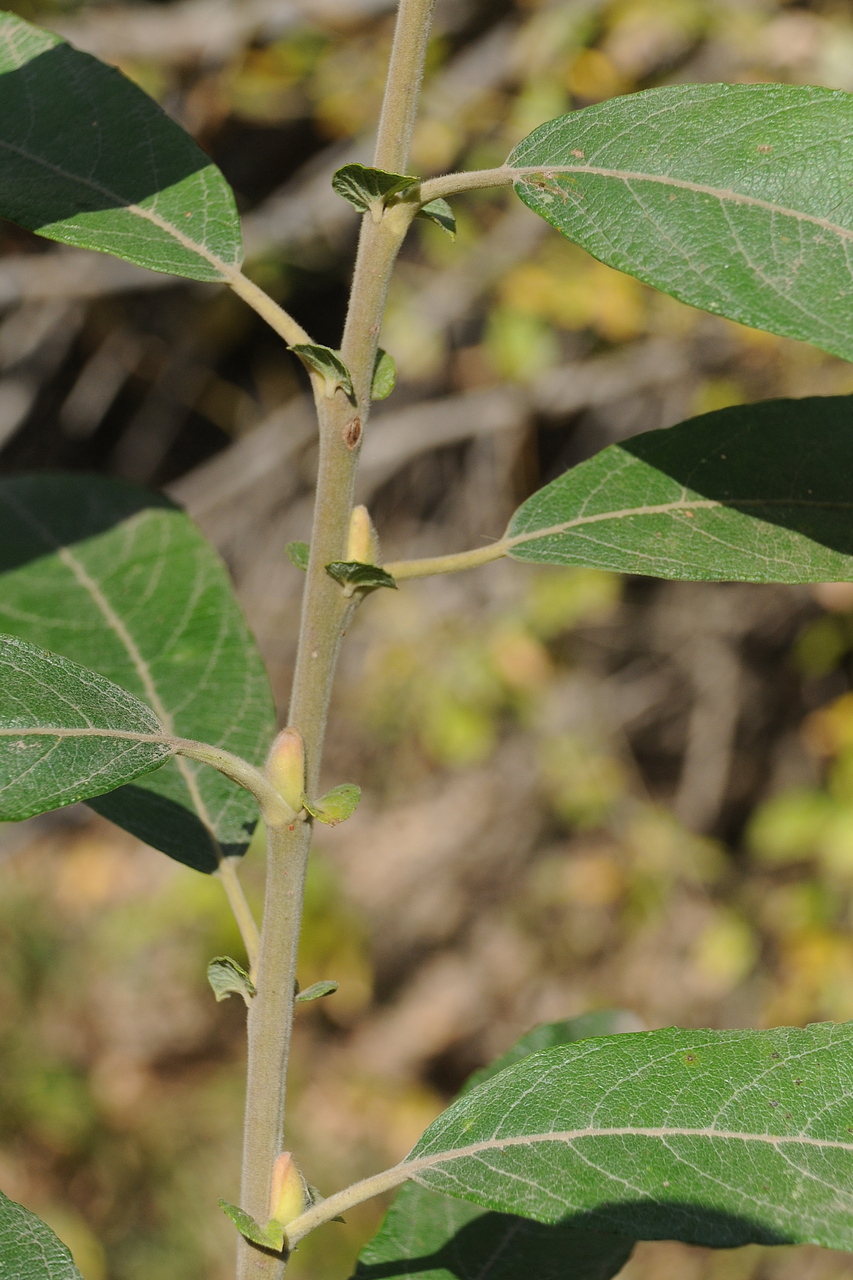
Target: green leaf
[297, 554]
[336, 805]
[66, 733]
[121, 581]
[29, 1250]
[756, 493]
[328, 364]
[720, 1138]
[384, 376]
[228, 978]
[270, 1236]
[439, 212]
[441, 1238]
[316, 992]
[87, 158]
[369, 189]
[735, 198]
[352, 574]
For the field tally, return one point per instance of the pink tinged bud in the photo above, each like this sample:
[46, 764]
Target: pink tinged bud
[363, 544]
[287, 1197]
[286, 767]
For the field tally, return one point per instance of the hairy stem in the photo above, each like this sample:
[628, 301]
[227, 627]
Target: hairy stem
[337, 1204]
[242, 912]
[452, 184]
[276, 317]
[325, 611]
[402, 569]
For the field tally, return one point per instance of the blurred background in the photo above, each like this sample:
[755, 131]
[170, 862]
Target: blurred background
[579, 791]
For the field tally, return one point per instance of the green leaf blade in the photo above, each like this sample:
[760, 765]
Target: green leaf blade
[440, 212]
[228, 978]
[121, 581]
[755, 493]
[66, 734]
[29, 1250]
[734, 198]
[87, 158]
[369, 188]
[720, 1138]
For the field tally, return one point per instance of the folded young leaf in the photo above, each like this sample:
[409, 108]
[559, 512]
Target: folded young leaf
[228, 978]
[441, 1238]
[756, 493]
[29, 1250]
[66, 733]
[368, 188]
[440, 212]
[269, 1236]
[719, 1138]
[354, 575]
[328, 364]
[89, 159]
[384, 376]
[336, 805]
[317, 991]
[735, 198]
[121, 581]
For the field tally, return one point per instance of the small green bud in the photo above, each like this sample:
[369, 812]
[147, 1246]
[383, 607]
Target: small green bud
[286, 767]
[288, 1195]
[363, 544]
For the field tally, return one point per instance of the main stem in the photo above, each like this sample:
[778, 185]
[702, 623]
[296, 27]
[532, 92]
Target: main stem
[324, 614]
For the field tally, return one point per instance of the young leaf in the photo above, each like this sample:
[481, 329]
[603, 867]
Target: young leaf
[270, 1236]
[369, 188]
[228, 978]
[354, 575]
[336, 805]
[440, 1238]
[89, 159]
[328, 364]
[66, 733]
[719, 1138]
[29, 1250]
[384, 376]
[756, 493]
[317, 990]
[297, 554]
[122, 582]
[439, 212]
[735, 198]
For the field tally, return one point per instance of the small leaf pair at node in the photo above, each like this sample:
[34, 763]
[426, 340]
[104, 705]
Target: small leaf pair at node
[228, 978]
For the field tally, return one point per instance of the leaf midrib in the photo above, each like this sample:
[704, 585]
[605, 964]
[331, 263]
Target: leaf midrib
[90, 731]
[723, 194]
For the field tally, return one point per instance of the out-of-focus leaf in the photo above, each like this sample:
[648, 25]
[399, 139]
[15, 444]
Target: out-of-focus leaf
[89, 159]
[734, 198]
[29, 1250]
[384, 376]
[755, 493]
[336, 805]
[297, 554]
[318, 990]
[228, 978]
[122, 582]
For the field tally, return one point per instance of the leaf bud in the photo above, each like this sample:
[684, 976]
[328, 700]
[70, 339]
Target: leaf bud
[286, 767]
[287, 1195]
[363, 544]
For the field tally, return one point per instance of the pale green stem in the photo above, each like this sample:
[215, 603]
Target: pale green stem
[276, 317]
[403, 85]
[329, 1209]
[402, 569]
[273, 806]
[242, 912]
[452, 184]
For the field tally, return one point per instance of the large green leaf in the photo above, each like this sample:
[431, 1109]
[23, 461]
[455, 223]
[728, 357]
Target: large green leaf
[66, 733]
[121, 581]
[29, 1250]
[735, 198]
[89, 159]
[438, 1237]
[757, 493]
[713, 1137]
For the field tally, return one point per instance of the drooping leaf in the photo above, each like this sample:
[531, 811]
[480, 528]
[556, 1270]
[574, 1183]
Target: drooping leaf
[318, 990]
[66, 733]
[269, 1236]
[756, 493]
[121, 581]
[87, 158]
[384, 376]
[368, 188]
[336, 805]
[354, 575]
[297, 554]
[437, 1237]
[29, 1250]
[228, 978]
[440, 212]
[719, 1138]
[328, 364]
[735, 198]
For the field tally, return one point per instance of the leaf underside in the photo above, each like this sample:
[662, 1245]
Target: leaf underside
[720, 1138]
[756, 493]
[734, 198]
[437, 1237]
[29, 1250]
[121, 581]
[87, 158]
[66, 733]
